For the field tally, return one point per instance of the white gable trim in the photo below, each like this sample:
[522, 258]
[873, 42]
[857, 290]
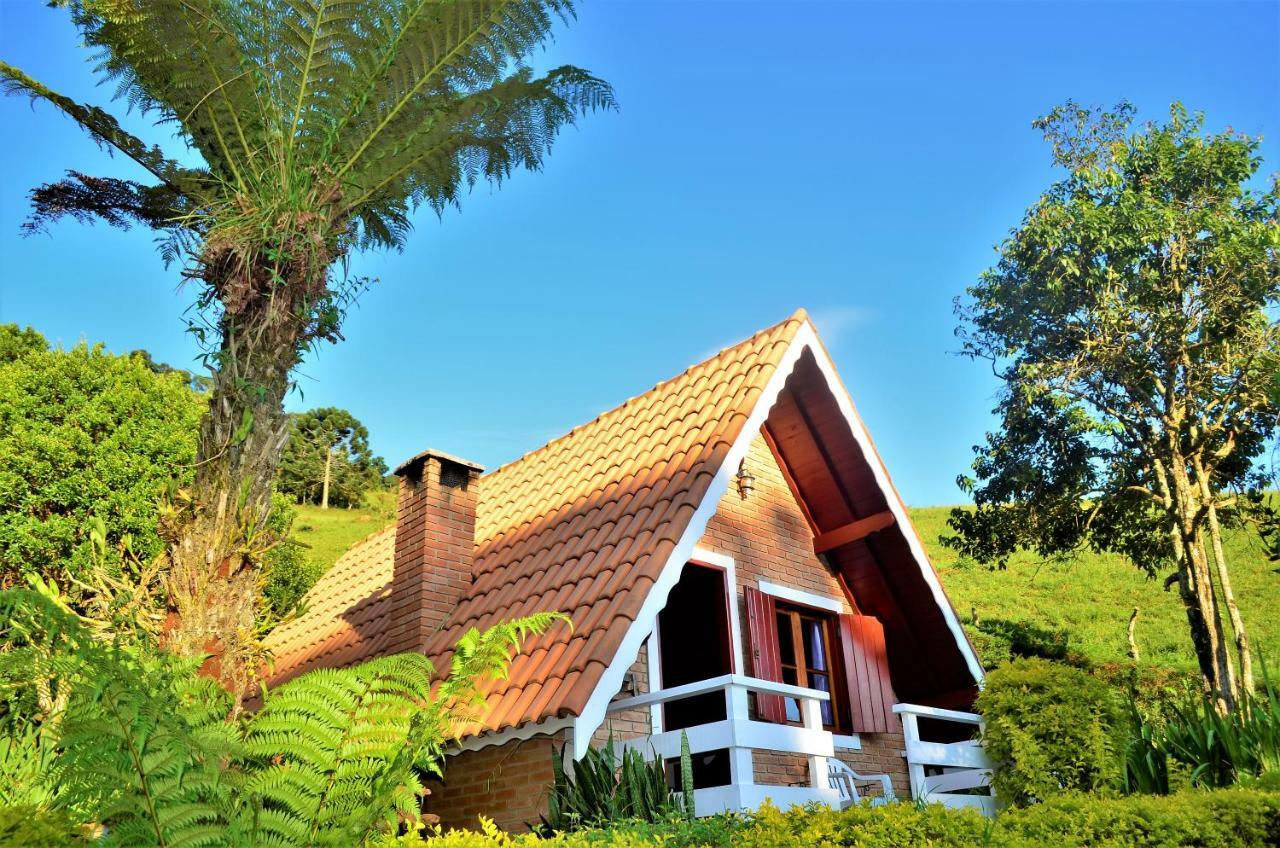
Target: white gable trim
[546, 727]
[806, 338]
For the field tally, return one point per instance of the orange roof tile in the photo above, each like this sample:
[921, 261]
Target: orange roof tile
[583, 525]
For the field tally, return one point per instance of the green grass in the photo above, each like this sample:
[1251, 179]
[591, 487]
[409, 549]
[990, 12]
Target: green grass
[1090, 597]
[328, 533]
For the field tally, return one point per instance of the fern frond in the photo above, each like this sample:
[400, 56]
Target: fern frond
[332, 742]
[479, 655]
[105, 130]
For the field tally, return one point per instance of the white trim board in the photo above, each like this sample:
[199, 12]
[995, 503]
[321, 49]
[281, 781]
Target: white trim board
[829, 603]
[806, 338]
[719, 560]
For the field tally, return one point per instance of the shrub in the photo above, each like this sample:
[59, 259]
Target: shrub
[1234, 818]
[605, 789]
[1225, 819]
[86, 437]
[1051, 728]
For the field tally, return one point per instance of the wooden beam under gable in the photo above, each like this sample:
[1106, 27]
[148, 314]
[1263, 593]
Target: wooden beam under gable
[852, 532]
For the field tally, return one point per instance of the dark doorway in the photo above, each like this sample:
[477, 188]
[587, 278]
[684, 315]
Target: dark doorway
[695, 643]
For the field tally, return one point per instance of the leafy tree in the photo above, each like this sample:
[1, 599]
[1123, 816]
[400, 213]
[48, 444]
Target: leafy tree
[87, 440]
[16, 342]
[145, 747]
[328, 459]
[320, 126]
[1130, 320]
[195, 381]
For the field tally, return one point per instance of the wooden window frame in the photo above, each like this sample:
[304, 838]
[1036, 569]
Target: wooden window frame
[835, 672]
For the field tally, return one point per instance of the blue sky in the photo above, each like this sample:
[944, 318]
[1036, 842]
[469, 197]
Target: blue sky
[857, 159]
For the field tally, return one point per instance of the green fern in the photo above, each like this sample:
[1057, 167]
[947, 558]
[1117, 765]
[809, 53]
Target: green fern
[146, 747]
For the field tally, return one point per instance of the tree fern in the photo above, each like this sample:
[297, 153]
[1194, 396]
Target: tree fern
[321, 125]
[390, 103]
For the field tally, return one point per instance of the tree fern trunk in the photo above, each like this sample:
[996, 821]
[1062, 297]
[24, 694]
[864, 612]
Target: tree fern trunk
[219, 531]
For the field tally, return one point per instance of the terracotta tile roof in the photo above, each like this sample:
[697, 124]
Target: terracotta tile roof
[344, 620]
[582, 525]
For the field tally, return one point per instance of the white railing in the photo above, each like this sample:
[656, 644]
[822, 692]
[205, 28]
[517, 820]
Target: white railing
[956, 774]
[740, 735]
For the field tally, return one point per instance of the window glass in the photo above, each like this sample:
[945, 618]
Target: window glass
[786, 644]
[822, 683]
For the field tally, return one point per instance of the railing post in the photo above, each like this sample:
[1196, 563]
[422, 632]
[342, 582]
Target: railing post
[811, 712]
[742, 768]
[915, 770]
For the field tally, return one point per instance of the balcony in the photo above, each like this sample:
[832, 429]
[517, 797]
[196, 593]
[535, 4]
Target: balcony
[955, 773]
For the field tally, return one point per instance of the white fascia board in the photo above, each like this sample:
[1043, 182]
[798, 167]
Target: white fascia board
[807, 336]
[610, 681]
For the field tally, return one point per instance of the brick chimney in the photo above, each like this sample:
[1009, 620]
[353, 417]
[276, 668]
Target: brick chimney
[435, 545]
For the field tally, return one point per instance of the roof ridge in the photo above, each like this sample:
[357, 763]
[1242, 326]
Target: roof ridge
[801, 315]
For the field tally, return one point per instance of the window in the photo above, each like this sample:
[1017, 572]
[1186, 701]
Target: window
[806, 642]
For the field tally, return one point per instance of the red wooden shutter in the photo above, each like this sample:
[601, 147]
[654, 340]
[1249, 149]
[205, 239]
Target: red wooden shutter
[866, 671]
[762, 648]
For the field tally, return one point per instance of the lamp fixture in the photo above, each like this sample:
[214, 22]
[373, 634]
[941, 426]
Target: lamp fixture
[746, 481]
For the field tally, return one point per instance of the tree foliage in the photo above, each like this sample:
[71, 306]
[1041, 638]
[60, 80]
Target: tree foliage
[16, 342]
[329, 442]
[146, 748]
[93, 446]
[1130, 321]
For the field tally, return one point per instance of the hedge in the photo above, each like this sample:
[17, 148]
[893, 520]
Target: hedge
[1229, 818]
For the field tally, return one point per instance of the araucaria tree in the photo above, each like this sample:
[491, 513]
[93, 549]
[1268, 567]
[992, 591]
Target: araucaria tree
[321, 125]
[328, 459]
[1130, 320]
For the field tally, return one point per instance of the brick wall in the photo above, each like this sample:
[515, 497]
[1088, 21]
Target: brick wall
[768, 537]
[628, 724]
[508, 783]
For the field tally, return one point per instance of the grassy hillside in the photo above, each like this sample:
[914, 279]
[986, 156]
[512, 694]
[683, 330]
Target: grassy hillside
[1090, 597]
[328, 533]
